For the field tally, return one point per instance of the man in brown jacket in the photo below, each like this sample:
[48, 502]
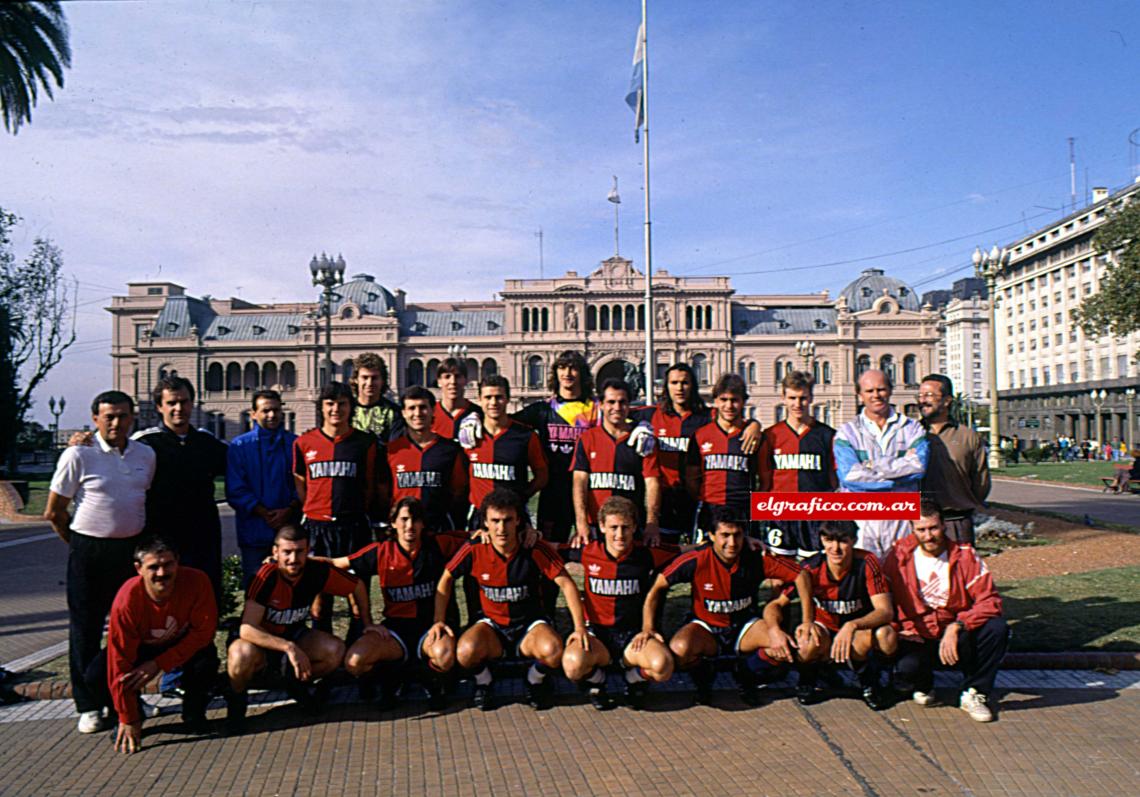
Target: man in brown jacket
[957, 476]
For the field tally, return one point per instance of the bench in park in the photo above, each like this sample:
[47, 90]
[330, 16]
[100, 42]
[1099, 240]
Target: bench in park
[1133, 485]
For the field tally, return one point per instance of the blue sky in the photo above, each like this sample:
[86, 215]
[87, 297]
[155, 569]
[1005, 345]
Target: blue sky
[222, 144]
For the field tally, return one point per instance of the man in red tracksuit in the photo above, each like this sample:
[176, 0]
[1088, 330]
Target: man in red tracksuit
[947, 606]
[162, 619]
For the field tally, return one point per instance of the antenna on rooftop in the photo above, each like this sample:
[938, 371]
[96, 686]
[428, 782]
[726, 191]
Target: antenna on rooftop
[538, 235]
[1072, 173]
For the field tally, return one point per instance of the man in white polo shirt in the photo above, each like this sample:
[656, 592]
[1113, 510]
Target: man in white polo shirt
[108, 483]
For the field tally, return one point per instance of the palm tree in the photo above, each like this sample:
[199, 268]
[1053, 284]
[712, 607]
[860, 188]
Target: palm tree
[33, 49]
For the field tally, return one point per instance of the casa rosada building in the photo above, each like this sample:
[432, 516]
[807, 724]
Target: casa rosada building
[230, 347]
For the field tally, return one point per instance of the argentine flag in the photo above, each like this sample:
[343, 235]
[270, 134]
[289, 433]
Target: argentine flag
[635, 99]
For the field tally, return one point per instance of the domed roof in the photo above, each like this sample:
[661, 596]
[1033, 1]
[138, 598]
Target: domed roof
[366, 293]
[870, 285]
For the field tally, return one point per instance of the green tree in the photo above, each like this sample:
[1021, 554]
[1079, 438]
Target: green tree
[39, 328]
[33, 51]
[1115, 308]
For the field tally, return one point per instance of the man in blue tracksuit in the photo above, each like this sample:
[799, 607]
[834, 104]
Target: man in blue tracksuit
[259, 482]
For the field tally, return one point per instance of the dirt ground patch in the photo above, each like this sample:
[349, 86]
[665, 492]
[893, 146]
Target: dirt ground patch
[1073, 549]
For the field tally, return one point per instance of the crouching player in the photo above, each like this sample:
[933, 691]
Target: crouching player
[273, 633]
[725, 575]
[853, 612]
[618, 574]
[408, 569]
[510, 578]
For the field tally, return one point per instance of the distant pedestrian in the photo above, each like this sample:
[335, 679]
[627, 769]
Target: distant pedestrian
[259, 482]
[108, 481]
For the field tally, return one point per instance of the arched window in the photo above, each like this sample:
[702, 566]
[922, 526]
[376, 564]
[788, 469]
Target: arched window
[779, 371]
[534, 375]
[545, 319]
[910, 369]
[700, 365]
[708, 316]
[826, 372]
[688, 317]
[887, 366]
[472, 370]
[489, 368]
[269, 375]
[742, 369]
[630, 316]
[617, 317]
[432, 373]
[604, 319]
[215, 377]
[233, 377]
[779, 412]
[751, 373]
[591, 318]
[346, 371]
[288, 375]
[251, 380]
[862, 365]
[415, 373]
[526, 319]
[815, 371]
[641, 316]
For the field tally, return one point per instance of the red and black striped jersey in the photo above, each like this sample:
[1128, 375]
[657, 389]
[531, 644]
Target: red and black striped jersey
[797, 463]
[502, 460]
[616, 588]
[509, 587]
[434, 473]
[724, 595]
[836, 602]
[674, 433]
[408, 583]
[614, 469]
[338, 472]
[446, 424]
[727, 473]
[288, 603]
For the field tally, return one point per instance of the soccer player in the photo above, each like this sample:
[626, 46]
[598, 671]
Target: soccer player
[334, 467]
[618, 573]
[725, 575]
[796, 457]
[853, 613]
[373, 411]
[273, 634]
[408, 568]
[880, 451]
[605, 466]
[677, 416]
[718, 472]
[427, 466]
[947, 607]
[452, 407]
[510, 576]
[957, 476]
[163, 618]
[505, 451]
[259, 481]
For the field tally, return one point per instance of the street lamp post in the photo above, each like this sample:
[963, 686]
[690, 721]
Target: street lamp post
[1097, 397]
[1129, 398]
[988, 266]
[56, 409]
[328, 274]
[806, 350]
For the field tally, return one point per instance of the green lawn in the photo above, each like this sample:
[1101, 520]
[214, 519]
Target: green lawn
[1088, 473]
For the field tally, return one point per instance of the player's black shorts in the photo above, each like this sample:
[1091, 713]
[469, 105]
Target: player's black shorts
[340, 537]
[511, 636]
[678, 515]
[556, 511]
[615, 640]
[728, 638]
[793, 538]
[276, 661]
[410, 634]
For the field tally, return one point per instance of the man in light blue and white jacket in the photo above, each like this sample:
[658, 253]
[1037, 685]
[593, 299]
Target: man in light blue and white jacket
[880, 451]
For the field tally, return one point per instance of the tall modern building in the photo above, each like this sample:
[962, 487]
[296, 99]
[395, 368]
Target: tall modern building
[1048, 368]
[963, 350]
[231, 347]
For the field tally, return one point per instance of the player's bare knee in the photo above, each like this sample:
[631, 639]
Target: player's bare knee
[241, 658]
[576, 663]
[659, 667]
[886, 640]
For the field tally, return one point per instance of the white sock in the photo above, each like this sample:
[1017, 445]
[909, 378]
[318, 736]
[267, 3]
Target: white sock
[598, 677]
[633, 675]
[483, 677]
[533, 676]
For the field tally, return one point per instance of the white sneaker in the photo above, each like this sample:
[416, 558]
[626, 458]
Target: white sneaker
[923, 698]
[973, 703]
[92, 722]
[148, 710]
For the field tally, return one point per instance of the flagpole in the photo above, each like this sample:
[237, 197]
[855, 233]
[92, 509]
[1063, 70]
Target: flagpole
[650, 362]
